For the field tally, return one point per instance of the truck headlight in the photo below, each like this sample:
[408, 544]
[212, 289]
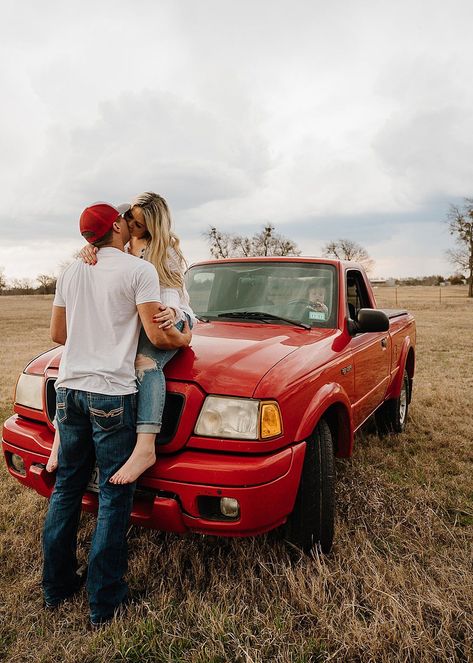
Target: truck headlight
[238, 418]
[29, 391]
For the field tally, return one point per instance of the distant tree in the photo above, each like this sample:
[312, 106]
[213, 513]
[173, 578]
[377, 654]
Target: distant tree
[21, 287]
[265, 243]
[220, 243]
[347, 249]
[460, 226]
[47, 283]
[457, 279]
[3, 280]
[434, 279]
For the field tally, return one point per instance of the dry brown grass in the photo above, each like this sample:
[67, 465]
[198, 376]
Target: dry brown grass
[398, 586]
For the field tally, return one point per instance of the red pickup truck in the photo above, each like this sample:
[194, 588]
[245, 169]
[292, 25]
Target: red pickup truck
[289, 358]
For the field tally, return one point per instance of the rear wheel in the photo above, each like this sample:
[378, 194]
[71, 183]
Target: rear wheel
[391, 417]
[312, 520]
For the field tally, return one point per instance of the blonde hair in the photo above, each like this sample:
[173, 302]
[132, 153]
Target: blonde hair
[162, 238]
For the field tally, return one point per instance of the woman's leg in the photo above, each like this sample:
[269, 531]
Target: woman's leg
[51, 465]
[142, 457]
[151, 397]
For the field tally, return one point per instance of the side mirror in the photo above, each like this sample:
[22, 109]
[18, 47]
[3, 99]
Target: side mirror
[369, 320]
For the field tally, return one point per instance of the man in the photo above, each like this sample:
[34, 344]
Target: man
[96, 314]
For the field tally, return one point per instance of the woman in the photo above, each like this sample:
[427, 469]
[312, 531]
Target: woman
[151, 238]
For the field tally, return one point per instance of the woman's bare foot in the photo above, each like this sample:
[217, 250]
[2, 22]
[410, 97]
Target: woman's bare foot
[138, 462]
[51, 465]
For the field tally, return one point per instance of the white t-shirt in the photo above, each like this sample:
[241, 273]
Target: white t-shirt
[103, 324]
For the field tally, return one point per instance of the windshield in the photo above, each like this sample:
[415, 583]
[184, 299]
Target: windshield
[302, 293]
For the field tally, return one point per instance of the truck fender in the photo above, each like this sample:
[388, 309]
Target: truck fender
[332, 403]
[396, 384]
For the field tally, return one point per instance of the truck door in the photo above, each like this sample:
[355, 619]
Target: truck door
[371, 353]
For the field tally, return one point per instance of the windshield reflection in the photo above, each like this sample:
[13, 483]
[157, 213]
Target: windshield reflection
[294, 293]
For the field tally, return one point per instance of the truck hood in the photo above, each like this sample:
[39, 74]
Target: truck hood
[224, 357]
[231, 358]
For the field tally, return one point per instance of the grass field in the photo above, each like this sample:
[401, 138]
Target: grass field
[397, 587]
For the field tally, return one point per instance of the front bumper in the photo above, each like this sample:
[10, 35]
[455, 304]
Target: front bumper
[168, 495]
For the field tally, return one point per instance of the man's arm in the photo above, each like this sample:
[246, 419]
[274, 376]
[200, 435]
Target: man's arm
[58, 327]
[164, 339]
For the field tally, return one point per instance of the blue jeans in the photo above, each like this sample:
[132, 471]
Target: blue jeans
[93, 428]
[151, 382]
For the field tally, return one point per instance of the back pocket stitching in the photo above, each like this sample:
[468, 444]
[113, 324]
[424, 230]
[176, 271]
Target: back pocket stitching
[106, 415]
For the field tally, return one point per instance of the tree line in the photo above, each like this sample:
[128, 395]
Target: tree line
[268, 242]
[44, 284]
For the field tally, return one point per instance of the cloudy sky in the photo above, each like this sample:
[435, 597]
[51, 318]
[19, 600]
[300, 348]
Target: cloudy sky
[349, 118]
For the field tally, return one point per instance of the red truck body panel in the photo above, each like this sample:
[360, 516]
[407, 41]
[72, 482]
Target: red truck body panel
[310, 373]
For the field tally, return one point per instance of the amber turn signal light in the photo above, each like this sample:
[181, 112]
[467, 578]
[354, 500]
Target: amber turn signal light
[270, 420]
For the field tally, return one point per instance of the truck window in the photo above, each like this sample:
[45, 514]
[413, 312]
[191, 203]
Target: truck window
[301, 291]
[201, 283]
[357, 295]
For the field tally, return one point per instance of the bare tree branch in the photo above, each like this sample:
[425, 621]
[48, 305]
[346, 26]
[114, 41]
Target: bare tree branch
[347, 249]
[219, 243]
[47, 282]
[3, 280]
[265, 243]
[458, 257]
[460, 226]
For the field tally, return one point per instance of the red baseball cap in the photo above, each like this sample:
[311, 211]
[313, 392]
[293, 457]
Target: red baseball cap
[98, 219]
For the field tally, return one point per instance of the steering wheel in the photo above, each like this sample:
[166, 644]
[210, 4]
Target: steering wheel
[308, 306]
[306, 302]
[313, 306]
[300, 308]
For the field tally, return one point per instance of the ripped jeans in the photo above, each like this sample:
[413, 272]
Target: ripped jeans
[151, 382]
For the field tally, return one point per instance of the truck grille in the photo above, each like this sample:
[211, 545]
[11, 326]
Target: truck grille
[50, 399]
[171, 415]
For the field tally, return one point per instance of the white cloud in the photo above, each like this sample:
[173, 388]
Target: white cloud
[238, 113]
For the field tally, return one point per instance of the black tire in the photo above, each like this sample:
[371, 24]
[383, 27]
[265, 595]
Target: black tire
[391, 417]
[313, 518]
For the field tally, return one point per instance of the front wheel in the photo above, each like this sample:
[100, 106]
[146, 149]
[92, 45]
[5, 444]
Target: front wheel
[313, 518]
[391, 417]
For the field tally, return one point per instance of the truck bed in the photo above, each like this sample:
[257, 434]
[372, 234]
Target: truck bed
[393, 312]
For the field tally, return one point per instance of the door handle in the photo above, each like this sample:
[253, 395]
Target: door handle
[384, 342]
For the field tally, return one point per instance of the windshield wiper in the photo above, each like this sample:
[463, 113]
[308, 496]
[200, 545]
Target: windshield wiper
[260, 315]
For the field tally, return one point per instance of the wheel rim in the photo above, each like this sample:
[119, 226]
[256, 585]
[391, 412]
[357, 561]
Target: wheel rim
[403, 404]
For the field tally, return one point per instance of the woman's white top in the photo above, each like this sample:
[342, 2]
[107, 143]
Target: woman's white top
[176, 298]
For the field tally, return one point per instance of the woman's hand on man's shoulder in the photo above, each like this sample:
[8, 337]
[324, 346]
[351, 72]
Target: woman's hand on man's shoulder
[88, 254]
